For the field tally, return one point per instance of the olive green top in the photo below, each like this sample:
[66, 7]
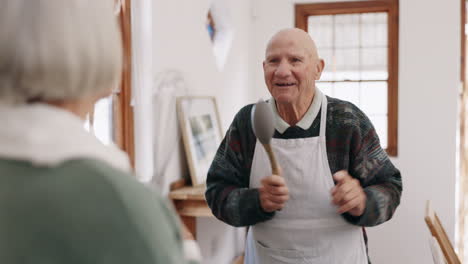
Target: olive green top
[82, 211]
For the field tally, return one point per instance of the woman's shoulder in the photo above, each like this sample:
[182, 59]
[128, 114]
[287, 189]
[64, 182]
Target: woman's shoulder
[94, 196]
[152, 215]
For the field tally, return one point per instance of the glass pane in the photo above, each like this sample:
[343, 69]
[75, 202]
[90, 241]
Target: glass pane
[347, 75]
[348, 91]
[374, 18]
[326, 88]
[102, 126]
[327, 56]
[374, 75]
[374, 30]
[380, 125]
[327, 76]
[321, 30]
[374, 98]
[347, 30]
[374, 59]
[347, 59]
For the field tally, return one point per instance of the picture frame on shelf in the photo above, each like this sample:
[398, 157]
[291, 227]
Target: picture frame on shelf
[201, 133]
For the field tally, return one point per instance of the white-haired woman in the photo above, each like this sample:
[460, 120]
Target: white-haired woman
[64, 197]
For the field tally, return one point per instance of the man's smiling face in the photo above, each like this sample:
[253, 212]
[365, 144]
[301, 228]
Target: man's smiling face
[291, 67]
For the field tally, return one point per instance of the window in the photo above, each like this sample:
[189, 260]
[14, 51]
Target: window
[100, 120]
[112, 118]
[359, 43]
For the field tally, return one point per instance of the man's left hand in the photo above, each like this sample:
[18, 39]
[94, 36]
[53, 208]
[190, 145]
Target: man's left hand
[348, 194]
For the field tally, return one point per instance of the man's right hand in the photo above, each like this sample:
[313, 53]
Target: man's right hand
[273, 193]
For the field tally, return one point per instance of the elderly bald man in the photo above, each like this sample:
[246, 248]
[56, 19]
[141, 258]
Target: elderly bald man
[335, 179]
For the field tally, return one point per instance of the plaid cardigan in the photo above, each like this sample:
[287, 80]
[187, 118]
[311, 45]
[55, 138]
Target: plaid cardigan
[352, 145]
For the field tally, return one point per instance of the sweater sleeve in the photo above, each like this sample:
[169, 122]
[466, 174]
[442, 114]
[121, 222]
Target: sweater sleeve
[228, 193]
[380, 179]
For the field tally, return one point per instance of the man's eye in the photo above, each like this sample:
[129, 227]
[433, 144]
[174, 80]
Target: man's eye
[296, 60]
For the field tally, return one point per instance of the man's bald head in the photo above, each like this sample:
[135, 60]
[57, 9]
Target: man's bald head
[291, 67]
[298, 36]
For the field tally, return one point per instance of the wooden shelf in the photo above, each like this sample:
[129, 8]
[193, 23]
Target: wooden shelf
[189, 193]
[190, 203]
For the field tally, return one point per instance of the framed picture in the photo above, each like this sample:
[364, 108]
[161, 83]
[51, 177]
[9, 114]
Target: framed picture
[201, 133]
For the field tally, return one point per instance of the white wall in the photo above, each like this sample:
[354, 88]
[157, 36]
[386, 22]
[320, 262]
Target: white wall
[429, 73]
[181, 42]
[429, 81]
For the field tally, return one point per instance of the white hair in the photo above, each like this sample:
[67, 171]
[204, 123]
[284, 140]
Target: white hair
[58, 49]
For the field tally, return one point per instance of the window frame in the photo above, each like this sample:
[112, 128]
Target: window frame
[122, 110]
[303, 11]
[462, 185]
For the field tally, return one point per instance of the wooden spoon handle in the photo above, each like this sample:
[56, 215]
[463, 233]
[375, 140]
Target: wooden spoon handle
[271, 155]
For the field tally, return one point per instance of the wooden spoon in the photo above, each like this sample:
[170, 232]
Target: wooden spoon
[264, 128]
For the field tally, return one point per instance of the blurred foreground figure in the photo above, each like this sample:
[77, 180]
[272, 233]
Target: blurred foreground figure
[65, 197]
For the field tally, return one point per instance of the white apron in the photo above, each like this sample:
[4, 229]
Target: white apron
[308, 229]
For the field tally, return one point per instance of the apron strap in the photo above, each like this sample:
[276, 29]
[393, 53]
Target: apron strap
[323, 116]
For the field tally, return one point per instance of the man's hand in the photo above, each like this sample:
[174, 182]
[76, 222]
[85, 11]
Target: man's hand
[273, 193]
[348, 194]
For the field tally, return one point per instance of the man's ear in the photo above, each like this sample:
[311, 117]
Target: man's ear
[319, 66]
[263, 64]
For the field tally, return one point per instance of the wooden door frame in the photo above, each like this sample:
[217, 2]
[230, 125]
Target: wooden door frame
[123, 112]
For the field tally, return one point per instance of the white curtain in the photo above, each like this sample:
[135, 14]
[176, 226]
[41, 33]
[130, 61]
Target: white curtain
[142, 73]
[170, 162]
